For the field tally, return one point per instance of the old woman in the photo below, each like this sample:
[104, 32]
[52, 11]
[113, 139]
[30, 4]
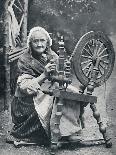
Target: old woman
[33, 111]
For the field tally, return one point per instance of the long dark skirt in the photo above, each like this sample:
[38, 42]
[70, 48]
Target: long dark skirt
[27, 125]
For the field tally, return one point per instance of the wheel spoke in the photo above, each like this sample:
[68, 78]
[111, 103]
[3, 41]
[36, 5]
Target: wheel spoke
[89, 70]
[20, 5]
[84, 56]
[84, 62]
[17, 8]
[102, 66]
[99, 76]
[87, 66]
[104, 56]
[87, 51]
[96, 47]
[101, 45]
[106, 62]
[102, 51]
[21, 21]
[100, 72]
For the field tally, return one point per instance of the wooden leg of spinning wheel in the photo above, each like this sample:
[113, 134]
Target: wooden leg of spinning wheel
[54, 148]
[82, 119]
[102, 128]
[81, 88]
[56, 131]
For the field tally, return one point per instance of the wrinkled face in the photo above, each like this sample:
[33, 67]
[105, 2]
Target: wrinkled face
[38, 42]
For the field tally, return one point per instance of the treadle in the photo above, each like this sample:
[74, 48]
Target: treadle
[22, 143]
[85, 143]
[76, 144]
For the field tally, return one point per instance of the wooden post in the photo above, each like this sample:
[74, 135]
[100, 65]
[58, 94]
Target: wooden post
[96, 114]
[5, 57]
[56, 132]
[24, 24]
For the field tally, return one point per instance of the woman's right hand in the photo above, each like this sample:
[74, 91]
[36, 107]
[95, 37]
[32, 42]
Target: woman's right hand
[49, 68]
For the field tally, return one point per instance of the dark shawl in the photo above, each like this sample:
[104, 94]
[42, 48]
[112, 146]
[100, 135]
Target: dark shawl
[29, 65]
[25, 118]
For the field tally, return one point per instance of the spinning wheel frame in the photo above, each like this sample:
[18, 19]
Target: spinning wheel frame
[93, 47]
[16, 11]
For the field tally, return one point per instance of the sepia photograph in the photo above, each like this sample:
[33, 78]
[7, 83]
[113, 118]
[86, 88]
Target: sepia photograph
[57, 77]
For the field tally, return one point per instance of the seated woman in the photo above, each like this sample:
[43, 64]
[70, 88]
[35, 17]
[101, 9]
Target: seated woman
[33, 111]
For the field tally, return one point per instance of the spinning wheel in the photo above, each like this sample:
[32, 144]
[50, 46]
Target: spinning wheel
[93, 61]
[17, 12]
[93, 47]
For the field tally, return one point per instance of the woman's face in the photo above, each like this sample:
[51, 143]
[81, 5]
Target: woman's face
[38, 42]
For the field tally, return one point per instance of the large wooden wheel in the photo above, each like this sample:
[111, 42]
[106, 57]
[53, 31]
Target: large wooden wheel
[90, 47]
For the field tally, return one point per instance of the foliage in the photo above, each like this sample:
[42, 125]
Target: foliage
[71, 18]
[62, 17]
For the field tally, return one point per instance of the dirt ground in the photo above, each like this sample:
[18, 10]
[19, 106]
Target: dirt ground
[106, 105]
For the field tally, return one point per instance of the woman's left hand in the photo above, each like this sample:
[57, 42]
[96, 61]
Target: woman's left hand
[33, 87]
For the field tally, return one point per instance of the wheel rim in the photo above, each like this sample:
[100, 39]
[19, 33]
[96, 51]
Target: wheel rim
[91, 48]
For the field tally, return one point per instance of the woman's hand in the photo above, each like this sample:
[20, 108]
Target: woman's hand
[49, 68]
[33, 87]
